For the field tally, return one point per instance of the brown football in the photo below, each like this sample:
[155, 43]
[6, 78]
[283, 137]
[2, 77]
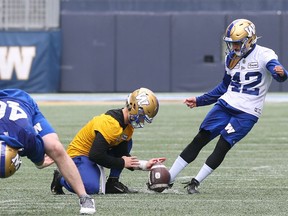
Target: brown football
[159, 178]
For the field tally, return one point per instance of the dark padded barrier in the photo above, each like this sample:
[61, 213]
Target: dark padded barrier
[167, 52]
[175, 5]
[284, 46]
[197, 63]
[143, 52]
[88, 52]
[200, 78]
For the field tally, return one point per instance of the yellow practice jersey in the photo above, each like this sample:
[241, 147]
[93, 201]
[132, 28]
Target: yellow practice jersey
[108, 126]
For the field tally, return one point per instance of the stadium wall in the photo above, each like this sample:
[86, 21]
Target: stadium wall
[30, 60]
[116, 46]
[165, 51]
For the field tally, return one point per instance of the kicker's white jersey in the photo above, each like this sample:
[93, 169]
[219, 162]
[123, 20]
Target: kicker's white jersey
[250, 81]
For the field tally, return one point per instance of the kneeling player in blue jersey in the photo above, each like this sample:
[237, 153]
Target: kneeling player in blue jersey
[24, 131]
[249, 70]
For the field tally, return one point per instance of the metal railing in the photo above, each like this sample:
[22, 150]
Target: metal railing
[29, 14]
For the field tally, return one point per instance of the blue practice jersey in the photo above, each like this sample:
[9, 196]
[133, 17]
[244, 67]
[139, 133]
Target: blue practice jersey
[22, 124]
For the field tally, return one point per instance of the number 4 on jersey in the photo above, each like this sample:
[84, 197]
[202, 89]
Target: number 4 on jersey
[16, 111]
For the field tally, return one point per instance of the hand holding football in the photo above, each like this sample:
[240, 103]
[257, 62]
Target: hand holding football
[159, 178]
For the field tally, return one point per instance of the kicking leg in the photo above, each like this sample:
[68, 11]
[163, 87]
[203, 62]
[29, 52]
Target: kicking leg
[212, 162]
[189, 153]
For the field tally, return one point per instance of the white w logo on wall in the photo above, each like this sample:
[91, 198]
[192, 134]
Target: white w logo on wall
[18, 59]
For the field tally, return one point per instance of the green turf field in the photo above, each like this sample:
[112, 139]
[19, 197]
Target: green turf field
[252, 180]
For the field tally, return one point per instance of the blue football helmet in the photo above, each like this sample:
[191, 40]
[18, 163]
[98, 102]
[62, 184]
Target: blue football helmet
[10, 160]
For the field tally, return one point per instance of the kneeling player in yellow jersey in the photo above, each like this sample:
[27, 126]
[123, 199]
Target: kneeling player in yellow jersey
[106, 141]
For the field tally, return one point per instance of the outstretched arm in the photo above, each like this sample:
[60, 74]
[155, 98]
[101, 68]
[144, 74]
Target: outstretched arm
[277, 70]
[211, 96]
[146, 165]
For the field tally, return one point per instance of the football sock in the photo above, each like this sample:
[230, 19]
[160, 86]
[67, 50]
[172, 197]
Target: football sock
[203, 173]
[178, 165]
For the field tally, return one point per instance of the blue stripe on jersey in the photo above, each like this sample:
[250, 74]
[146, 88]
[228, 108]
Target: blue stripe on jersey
[12, 142]
[2, 160]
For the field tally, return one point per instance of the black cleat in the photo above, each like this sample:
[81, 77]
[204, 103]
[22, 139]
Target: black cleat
[192, 186]
[170, 185]
[113, 186]
[56, 187]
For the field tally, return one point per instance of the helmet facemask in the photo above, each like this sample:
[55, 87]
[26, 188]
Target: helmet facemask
[138, 120]
[245, 46]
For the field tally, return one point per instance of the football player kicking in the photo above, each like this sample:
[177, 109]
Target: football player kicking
[249, 69]
[106, 141]
[24, 131]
